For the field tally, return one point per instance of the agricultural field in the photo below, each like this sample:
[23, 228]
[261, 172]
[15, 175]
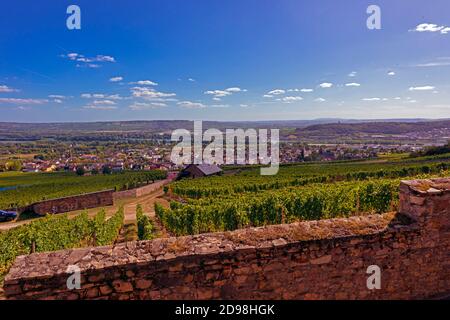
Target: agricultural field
[298, 192]
[19, 189]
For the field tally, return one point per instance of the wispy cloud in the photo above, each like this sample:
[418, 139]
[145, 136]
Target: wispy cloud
[276, 92]
[291, 99]
[352, 74]
[326, 85]
[371, 99]
[90, 62]
[97, 107]
[23, 101]
[6, 89]
[439, 62]
[104, 102]
[391, 73]
[57, 98]
[353, 84]
[145, 83]
[116, 79]
[218, 94]
[423, 88]
[320, 100]
[150, 93]
[101, 96]
[431, 27]
[191, 105]
[137, 106]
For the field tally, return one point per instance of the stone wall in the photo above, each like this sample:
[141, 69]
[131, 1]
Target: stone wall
[79, 202]
[325, 259]
[145, 190]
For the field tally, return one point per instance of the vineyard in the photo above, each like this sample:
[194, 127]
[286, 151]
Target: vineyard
[299, 192]
[56, 232]
[239, 199]
[33, 187]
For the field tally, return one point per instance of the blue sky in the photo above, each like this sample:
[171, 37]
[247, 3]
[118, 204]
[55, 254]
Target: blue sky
[223, 60]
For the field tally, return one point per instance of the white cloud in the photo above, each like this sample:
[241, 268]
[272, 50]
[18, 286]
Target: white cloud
[101, 96]
[103, 102]
[57, 101]
[352, 74]
[235, 89]
[149, 93]
[116, 79]
[84, 61]
[191, 79]
[423, 88]
[218, 93]
[326, 85]
[88, 65]
[268, 96]
[4, 88]
[145, 83]
[104, 58]
[144, 106]
[276, 92]
[391, 73]
[96, 107]
[371, 99]
[56, 96]
[191, 105]
[244, 105]
[431, 27]
[23, 101]
[306, 90]
[220, 106]
[291, 99]
[352, 84]
[441, 63]
[224, 93]
[320, 100]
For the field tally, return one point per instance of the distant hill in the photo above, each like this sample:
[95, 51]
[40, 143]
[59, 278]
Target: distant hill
[377, 127]
[158, 126]
[312, 131]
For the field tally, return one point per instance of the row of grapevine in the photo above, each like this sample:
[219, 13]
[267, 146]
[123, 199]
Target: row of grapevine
[56, 232]
[144, 225]
[105, 233]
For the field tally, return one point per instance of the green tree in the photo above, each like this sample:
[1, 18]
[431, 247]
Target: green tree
[106, 170]
[13, 165]
[80, 171]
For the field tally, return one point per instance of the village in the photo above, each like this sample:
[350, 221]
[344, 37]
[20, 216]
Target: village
[96, 160]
